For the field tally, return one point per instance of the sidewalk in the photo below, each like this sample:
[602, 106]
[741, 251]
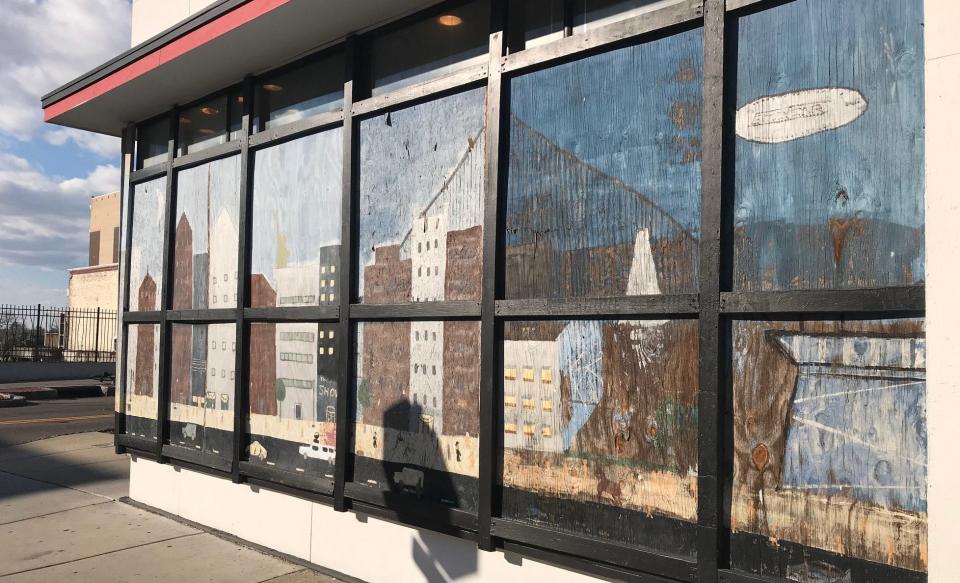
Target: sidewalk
[61, 519]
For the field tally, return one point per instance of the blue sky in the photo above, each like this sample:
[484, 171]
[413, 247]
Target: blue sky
[48, 173]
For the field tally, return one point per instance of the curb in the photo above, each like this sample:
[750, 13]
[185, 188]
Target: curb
[39, 393]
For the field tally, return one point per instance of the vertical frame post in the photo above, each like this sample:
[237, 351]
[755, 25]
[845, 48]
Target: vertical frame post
[710, 541]
[241, 387]
[166, 289]
[348, 281]
[493, 126]
[127, 141]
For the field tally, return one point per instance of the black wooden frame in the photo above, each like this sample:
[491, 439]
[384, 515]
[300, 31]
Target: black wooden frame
[715, 306]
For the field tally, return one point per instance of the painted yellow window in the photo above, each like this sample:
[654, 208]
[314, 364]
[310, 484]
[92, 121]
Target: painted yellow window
[546, 431]
[330, 350]
[546, 375]
[510, 427]
[510, 373]
[333, 282]
[528, 430]
[510, 401]
[528, 374]
[333, 269]
[323, 297]
[323, 283]
[528, 404]
[548, 405]
[330, 335]
[323, 269]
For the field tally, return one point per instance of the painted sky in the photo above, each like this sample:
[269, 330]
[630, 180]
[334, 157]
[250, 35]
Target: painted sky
[48, 173]
[616, 111]
[297, 176]
[407, 156]
[874, 47]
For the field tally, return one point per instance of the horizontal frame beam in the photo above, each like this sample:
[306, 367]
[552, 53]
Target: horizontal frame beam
[323, 486]
[891, 299]
[314, 123]
[679, 12]
[684, 304]
[407, 507]
[409, 95]
[224, 316]
[152, 317]
[147, 174]
[294, 314]
[131, 442]
[210, 154]
[581, 564]
[598, 550]
[198, 458]
[416, 311]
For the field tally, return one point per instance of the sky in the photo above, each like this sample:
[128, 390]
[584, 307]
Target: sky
[48, 173]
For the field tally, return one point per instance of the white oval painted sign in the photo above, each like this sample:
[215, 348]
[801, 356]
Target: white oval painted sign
[789, 116]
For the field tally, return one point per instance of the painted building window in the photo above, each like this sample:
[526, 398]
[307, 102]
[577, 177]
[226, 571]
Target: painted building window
[201, 407]
[608, 447]
[294, 250]
[203, 126]
[417, 434]
[830, 447]
[140, 395]
[292, 418]
[603, 190]
[433, 46]
[829, 147]
[206, 236]
[421, 181]
[308, 88]
[146, 245]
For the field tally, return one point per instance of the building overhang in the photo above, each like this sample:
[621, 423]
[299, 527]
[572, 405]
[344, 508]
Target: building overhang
[213, 49]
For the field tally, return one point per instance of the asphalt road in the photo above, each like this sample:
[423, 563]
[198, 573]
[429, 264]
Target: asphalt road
[48, 418]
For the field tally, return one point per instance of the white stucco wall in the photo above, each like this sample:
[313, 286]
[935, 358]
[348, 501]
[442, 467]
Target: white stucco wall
[367, 548]
[943, 281]
[154, 16]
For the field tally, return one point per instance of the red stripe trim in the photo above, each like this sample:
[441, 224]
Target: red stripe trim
[175, 49]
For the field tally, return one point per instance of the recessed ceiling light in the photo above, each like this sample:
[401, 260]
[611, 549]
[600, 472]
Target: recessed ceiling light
[184, 119]
[206, 131]
[449, 20]
[272, 87]
[209, 110]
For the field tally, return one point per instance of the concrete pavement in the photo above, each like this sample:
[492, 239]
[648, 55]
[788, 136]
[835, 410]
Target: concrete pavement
[61, 518]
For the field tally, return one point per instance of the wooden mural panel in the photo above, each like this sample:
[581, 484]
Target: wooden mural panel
[296, 222]
[417, 409]
[146, 245]
[292, 417]
[141, 393]
[206, 236]
[829, 148]
[202, 381]
[600, 428]
[830, 446]
[603, 191]
[421, 202]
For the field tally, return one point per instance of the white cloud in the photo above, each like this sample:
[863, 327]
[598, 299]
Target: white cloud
[46, 43]
[44, 221]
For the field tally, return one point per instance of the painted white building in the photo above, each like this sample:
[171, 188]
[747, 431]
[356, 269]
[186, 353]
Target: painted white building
[221, 364]
[531, 395]
[426, 373]
[222, 292]
[428, 255]
[297, 285]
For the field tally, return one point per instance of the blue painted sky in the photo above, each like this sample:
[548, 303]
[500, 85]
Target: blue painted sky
[615, 111]
[875, 47]
[48, 173]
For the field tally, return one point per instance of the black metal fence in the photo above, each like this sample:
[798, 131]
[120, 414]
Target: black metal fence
[47, 334]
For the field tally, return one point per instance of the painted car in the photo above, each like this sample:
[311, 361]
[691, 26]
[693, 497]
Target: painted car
[319, 452]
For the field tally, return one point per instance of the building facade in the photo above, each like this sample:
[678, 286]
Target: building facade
[620, 289]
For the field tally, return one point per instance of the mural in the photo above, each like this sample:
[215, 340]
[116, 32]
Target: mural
[829, 150]
[830, 448]
[141, 393]
[417, 409]
[207, 236]
[295, 254]
[202, 381]
[146, 248]
[421, 202]
[600, 428]
[293, 398]
[604, 186]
